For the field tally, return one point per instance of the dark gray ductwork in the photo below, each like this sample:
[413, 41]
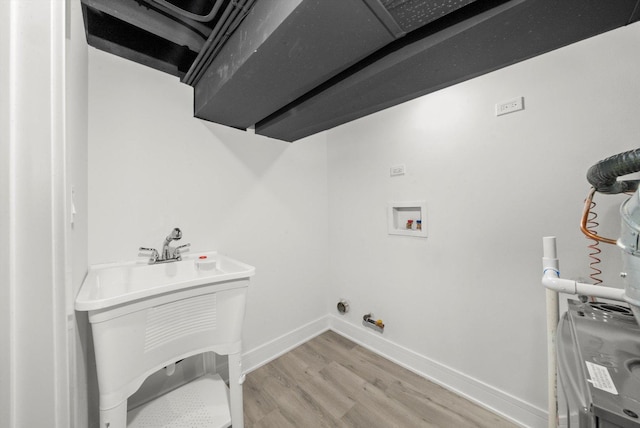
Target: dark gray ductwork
[293, 68]
[603, 175]
[233, 14]
[285, 49]
[149, 32]
[282, 51]
[474, 40]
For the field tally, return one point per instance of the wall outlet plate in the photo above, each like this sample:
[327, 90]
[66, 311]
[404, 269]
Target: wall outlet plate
[397, 170]
[510, 106]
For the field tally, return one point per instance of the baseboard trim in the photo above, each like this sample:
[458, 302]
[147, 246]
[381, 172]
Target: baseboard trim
[271, 350]
[497, 401]
[487, 396]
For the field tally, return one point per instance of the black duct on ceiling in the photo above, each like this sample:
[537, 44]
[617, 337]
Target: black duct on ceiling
[297, 67]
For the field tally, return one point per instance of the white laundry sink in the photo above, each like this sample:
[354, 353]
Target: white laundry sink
[113, 284]
[147, 316]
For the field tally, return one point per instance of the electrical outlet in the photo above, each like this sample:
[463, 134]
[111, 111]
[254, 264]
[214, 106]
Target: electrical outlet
[510, 106]
[396, 170]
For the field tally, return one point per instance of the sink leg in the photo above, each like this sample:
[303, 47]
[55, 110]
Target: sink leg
[236, 378]
[115, 417]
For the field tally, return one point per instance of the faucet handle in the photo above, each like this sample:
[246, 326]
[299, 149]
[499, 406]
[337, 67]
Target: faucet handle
[178, 250]
[154, 254]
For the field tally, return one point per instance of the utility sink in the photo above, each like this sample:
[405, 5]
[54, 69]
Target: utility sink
[113, 284]
[145, 317]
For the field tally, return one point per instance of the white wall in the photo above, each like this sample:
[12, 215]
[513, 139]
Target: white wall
[468, 298]
[152, 167]
[466, 301]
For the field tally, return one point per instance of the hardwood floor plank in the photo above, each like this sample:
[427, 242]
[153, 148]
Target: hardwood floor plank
[293, 367]
[456, 412]
[315, 359]
[344, 380]
[292, 370]
[299, 408]
[294, 403]
[334, 340]
[257, 404]
[331, 350]
[387, 411]
[273, 420]
[333, 382]
[336, 402]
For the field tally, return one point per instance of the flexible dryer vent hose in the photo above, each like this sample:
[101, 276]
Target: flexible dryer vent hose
[603, 175]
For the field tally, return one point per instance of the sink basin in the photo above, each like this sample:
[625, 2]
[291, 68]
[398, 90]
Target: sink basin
[108, 285]
[146, 317]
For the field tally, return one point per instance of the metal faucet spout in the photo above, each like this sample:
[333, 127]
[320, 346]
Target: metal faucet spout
[168, 253]
[175, 234]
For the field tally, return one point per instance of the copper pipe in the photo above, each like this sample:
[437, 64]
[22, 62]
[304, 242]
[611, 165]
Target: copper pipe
[585, 217]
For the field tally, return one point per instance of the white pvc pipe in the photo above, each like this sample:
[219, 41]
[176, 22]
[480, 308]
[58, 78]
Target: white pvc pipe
[553, 310]
[551, 281]
[550, 268]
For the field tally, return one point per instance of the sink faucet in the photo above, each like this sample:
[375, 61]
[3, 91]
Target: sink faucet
[169, 253]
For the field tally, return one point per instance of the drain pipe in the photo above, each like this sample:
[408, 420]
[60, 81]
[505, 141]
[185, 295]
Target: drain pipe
[550, 266]
[552, 281]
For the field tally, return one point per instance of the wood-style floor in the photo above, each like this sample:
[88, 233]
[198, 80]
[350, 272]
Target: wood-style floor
[333, 382]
